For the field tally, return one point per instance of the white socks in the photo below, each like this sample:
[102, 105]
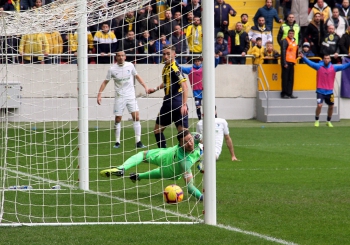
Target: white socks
[137, 129]
[117, 132]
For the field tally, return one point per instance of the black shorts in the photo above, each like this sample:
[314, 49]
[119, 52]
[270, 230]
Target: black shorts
[328, 99]
[166, 116]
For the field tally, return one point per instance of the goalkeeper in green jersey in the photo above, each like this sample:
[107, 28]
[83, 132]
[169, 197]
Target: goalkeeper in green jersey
[173, 162]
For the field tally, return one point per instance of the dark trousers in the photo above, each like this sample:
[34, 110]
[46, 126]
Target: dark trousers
[287, 79]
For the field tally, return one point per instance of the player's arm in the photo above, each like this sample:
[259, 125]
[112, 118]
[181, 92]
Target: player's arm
[102, 87]
[191, 189]
[230, 147]
[185, 70]
[152, 90]
[341, 67]
[313, 65]
[140, 80]
[184, 97]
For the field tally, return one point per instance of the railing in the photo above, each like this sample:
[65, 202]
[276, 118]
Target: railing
[267, 90]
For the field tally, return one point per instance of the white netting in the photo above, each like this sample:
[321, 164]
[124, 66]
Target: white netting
[39, 169]
[62, 14]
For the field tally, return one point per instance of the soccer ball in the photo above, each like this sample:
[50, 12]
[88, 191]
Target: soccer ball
[173, 194]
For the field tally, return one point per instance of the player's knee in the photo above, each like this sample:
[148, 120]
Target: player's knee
[118, 119]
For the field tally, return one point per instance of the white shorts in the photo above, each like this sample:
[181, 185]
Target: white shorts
[121, 103]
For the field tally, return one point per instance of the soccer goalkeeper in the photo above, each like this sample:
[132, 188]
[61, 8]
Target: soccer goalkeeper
[173, 162]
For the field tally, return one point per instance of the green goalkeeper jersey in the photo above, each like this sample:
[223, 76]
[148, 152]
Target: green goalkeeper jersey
[174, 161]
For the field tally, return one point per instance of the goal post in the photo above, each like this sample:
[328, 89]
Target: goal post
[55, 138]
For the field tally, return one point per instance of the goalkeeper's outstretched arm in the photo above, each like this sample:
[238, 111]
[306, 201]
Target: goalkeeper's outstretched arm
[191, 189]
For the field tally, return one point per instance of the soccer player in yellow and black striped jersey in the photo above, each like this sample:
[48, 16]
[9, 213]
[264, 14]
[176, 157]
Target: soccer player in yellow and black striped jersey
[174, 108]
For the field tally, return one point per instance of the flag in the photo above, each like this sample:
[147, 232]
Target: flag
[345, 81]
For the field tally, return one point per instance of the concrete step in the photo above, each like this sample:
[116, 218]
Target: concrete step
[300, 118]
[291, 110]
[277, 94]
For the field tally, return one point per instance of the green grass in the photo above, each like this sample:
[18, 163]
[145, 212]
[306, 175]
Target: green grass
[292, 183]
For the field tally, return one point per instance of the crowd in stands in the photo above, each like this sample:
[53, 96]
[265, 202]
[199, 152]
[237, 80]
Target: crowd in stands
[320, 26]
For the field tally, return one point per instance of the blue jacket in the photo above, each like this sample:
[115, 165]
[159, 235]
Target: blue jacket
[269, 14]
[187, 70]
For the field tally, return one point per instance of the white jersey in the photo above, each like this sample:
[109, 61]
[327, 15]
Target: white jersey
[221, 129]
[123, 77]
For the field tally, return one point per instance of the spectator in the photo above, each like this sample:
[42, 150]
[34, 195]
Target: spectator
[300, 12]
[176, 5]
[167, 25]
[194, 36]
[17, 5]
[344, 10]
[162, 41]
[148, 21]
[344, 43]
[98, 17]
[178, 39]
[188, 20]
[125, 25]
[260, 30]
[55, 47]
[34, 47]
[306, 51]
[269, 13]
[222, 11]
[37, 4]
[105, 43]
[258, 52]
[160, 6]
[221, 47]
[246, 26]
[285, 27]
[9, 49]
[286, 5]
[145, 47]
[194, 7]
[289, 54]
[270, 55]
[239, 44]
[330, 43]
[314, 33]
[129, 46]
[72, 46]
[339, 22]
[178, 19]
[322, 8]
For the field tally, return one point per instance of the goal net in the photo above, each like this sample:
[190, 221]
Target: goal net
[39, 114]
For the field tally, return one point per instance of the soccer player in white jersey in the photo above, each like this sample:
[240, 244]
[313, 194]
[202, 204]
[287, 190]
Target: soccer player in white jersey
[221, 132]
[123, 74]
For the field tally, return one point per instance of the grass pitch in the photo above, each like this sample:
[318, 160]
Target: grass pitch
[290, 187]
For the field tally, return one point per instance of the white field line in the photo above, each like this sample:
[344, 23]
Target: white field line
[193, 219]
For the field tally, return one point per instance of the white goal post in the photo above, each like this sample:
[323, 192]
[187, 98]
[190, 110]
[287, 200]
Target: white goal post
[55, 138]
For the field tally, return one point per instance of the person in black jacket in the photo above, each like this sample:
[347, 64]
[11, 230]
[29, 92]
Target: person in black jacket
[330, 43]
[314, 34]
[344, 43]
[239, 44]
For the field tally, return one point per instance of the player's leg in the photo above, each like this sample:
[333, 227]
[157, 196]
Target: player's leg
[318, 109]
[180, 121]
[134, 111]
[162, 121]
[117, 129]
[198, 102]
[129, 163]
[330, 102]
[119, 105]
